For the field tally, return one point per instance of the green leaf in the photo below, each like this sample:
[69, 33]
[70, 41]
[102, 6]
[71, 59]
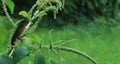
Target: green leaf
[52, 61]
[10, 5]
[39, 59]
[118, 1]
[19, 53]
[23, 13]
[6, 60]
[90, 5]
[104, 1]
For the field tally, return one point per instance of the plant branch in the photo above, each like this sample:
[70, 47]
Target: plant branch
[31, 10]
[73, 51]
[10, 52]
[7, 14]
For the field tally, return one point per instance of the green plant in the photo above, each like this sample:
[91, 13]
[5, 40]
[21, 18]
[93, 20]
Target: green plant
[78, 10]
[19, 51]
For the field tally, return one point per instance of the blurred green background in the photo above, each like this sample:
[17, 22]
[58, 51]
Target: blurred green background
[94, 23]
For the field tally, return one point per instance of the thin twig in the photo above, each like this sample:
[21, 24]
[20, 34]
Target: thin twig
[7, 14]
[50, 39]
[65, 42]
[31, 10]
[74, 51]
[10, 52]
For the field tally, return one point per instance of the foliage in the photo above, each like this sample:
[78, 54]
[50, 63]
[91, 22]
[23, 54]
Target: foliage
[78, 10]
[96, 36]
[23, 13]
[75, 10]
[6, 60]
[10, 4]
[39, 59]
[17, 52]
[94, 39]
[102, 41]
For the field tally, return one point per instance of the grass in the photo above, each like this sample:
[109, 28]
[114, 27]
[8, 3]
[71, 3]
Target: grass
[102, 44]
[95, 40]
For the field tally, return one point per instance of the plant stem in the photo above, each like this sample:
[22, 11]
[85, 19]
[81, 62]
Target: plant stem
[7, 14]
[73, 51]
[10, 52]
